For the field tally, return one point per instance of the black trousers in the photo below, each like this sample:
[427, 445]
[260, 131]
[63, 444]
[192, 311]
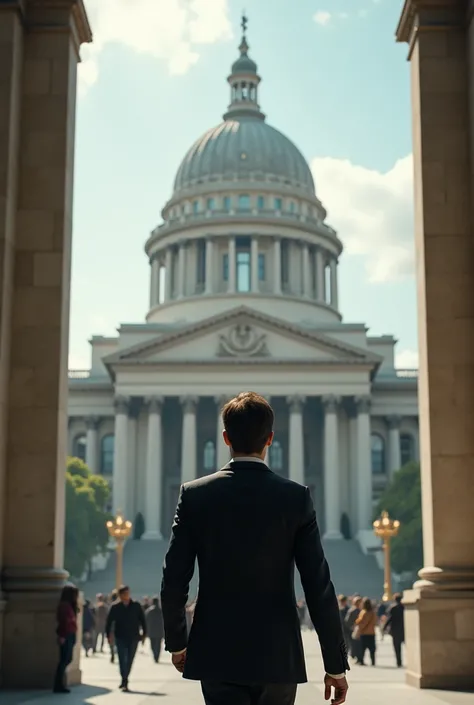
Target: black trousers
[155, 644]
[367, 643]
[126, 651]
[66, 650]
[232, 694]
[397, 647]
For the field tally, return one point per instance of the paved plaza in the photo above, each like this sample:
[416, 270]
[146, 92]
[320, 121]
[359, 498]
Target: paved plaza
[153, 685]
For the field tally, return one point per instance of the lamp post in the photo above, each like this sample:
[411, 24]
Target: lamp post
[386, 528]
[119, 529]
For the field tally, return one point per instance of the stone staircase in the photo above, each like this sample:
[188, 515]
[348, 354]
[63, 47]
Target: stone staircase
[351, 570]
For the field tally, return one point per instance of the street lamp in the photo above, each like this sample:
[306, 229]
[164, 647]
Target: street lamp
[119, 529]
[386, 528]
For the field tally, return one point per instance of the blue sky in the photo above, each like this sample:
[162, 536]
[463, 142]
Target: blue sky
[334, 81]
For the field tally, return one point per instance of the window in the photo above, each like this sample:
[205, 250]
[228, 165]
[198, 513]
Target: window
[261, 203]
[278, 204]
[195, 207]
[285, 268]
[243, 271]
[261, 266]
[225, 267]
[210, 205]
[201, 262]
[107, 455]
[79, 447]
[244, 202]
[378, 454]
[209, 456]
[407, 449]
[226, 203]
[292, 206]
[276, 456]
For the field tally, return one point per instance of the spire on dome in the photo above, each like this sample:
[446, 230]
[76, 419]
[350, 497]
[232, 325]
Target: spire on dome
[244, 81]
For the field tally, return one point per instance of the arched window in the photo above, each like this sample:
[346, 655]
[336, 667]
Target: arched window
[407, 449]
[79, 447]
[276, 456]
[378, 454]
[209, 455]
[107, 454]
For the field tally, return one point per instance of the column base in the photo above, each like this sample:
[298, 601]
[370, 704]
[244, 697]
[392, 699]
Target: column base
[439, 636]
[152, 536]
[332, 536]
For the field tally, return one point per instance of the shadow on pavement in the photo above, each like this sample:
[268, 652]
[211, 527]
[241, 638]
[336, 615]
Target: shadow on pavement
[79, 695]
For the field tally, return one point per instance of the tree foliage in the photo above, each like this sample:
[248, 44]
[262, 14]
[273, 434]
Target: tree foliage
[86, 516]
[402, 500]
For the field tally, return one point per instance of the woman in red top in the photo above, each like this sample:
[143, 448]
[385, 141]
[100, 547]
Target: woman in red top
[66, 631]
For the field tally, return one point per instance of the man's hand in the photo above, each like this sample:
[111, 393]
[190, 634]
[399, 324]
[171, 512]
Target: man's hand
[340, 689]
[178, 661]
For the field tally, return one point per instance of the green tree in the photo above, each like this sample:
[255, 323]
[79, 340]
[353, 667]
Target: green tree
[402, 500]
[86, 516]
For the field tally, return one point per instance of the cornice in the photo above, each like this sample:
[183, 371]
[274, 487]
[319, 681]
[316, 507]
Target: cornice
[54, 16]
[413, 19]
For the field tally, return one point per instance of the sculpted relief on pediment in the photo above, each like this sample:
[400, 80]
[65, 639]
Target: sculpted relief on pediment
[242, 340]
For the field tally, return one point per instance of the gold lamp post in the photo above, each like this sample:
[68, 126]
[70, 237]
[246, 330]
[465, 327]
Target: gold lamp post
[119, 529]
[386, 528]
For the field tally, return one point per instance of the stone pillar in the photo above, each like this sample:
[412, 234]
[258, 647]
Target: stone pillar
[277, 265]
[222, 451]
[334, 295]
[121, 470]
[232, 265]
[181, 270]
[189, 440]
[296, 439]
[154, 281]
[364, 465]
[92, 443]
[394, 452]
[306, 270]
[169, 274]
[320, 276]
[254, 264]
[209, 273]
[39, 48]
[154, 470]
[439, 611]
[332, 494]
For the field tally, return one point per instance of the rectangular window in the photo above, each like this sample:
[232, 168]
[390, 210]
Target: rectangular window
[292, 206]
[278, 204]
[210, 204]
[227, 203]
[243, 271]
[195, 206]
[244, 202]
[201, 262]
[261, 266]
[225, 267]
[261, 203]
[285, 269]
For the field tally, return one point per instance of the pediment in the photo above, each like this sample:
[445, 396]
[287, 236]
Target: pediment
[242, 335]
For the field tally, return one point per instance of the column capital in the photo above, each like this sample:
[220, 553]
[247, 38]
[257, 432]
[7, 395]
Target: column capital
[189, 404]
[393, 422]
[92, 423]
[121, 404]
[331, 403]
[154, 404]
[362, 404]
[296, 403]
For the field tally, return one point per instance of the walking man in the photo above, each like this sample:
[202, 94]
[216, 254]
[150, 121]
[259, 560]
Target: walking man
[154, 622]
[395, 626]
[248, 527]
[127, 620]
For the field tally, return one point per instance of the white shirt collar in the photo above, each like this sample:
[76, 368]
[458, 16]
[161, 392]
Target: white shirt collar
[247, 459]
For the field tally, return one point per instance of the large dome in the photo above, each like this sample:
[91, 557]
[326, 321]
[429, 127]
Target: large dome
[244, 147]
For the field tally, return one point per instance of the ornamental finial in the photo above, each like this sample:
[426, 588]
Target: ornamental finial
[244, 23]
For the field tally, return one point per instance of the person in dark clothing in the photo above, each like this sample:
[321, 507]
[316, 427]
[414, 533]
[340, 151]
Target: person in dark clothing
[248, 527]
[113, 597]
[154, 624]
[66, 632]
[100, 613]
[343, 610]
[395, 626]
[127, 619]
[88, 627]
[350, 623]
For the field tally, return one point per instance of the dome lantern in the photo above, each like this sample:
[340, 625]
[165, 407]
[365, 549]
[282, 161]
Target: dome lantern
[244, 81]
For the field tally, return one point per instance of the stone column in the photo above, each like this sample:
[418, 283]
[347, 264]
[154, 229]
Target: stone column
[120, 476]
[254, 264]
[222, 451]
[39, 49]
[209, 273]
[154, 470]
[169, 274]
[320, 276]
[439, 611]
[277, 265]
[394, 451]
[181, 270]
[296, 435]
[332, 494]
[364, 465]
[334, 295]
[189, 440]
[306, 270]
[232, 265]
[92, 443]
[154, 281]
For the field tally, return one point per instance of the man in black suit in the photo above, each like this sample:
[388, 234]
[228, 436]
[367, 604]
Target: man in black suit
[395, 626]
[248, 527]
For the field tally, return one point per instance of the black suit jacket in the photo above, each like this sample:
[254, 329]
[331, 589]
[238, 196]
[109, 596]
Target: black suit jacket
[395, 624]
[248, 527]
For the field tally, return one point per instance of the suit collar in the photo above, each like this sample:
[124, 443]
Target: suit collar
[246, 464]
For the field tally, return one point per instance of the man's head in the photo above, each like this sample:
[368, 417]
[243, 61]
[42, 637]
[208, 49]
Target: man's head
[248, 423]
[357, 601]
[342, 600]
[124, 594]
[398, 598]
[156, 601]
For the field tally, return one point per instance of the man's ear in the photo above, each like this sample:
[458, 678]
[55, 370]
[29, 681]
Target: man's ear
[226, 439]
[270, 439]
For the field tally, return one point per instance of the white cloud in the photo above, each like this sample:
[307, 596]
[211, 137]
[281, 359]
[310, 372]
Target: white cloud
[407, 359]
[322, 17]
[170, 30]
[372, 212]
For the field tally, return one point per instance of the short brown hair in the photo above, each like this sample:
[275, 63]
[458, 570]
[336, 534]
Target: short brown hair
[248, 421]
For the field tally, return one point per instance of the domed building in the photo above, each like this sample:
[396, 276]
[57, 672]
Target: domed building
[244, 295]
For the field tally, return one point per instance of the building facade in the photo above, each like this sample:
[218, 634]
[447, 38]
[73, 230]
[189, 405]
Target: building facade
[244, 295]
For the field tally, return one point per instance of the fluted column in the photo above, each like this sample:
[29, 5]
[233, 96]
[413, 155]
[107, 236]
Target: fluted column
[154, 471]
[306, 271]
[188, 441]
[334, 294]
[209, 274]
[232, 265]
[296, 434]
[332, 494]
[120, 476]
[364, 464]
[254, 264]
[277, 265]
[92, 424]
[320, 278]
[181, 270]
[169, 274]
[394, 451]
[222, 451]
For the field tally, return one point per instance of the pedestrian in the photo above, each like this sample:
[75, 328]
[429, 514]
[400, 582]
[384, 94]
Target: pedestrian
[88, 627]
[100, 614]
[127, 620]
[66, 615]
[154, 625]
[248, 527]
[350, 627]
[113, 597]
[395, 626]
[366, 623]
